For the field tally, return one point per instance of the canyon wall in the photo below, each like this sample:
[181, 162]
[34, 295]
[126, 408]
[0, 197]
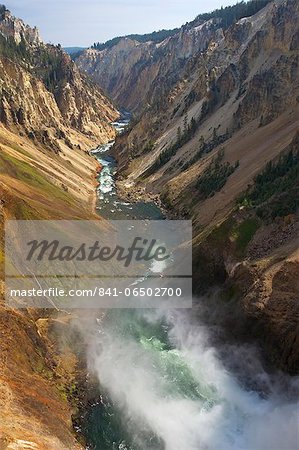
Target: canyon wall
[50, 116]
[43, 94]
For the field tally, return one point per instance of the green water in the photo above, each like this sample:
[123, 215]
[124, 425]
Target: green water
[107, 426]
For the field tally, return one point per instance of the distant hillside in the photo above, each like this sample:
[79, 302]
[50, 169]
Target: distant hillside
[227, 15]
[156, 37]
[137, 75]
[72, 50]
[231, 14]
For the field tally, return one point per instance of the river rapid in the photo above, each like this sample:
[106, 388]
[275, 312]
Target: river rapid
[163, 386]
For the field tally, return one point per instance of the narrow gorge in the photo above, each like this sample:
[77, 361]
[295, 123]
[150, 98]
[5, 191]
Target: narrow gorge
[198, 123]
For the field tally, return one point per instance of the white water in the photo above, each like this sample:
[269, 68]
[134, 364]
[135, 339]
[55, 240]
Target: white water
[224, 417]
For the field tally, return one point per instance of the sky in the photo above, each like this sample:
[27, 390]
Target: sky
[83, 22]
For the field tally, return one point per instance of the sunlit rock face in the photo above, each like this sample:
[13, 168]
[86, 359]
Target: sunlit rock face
[135, 74]
[44, 95]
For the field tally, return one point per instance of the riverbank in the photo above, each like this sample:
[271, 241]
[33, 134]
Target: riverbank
[128, 191]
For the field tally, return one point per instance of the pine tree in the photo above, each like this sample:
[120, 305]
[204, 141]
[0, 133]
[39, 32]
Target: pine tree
[185, 126]
[179, 135]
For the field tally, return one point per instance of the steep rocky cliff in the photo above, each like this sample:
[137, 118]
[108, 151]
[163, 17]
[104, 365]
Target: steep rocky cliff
[220, 147]
[135, 74]
[138, 72]
[250, 74]
[43, 94]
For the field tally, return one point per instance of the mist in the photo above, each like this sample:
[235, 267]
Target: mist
[182, 393]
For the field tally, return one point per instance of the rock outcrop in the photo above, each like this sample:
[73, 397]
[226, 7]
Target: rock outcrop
[15, 28]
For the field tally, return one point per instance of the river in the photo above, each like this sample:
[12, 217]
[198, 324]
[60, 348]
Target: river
[163, 386]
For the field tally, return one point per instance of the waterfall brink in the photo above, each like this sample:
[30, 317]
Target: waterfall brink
[166, 388]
